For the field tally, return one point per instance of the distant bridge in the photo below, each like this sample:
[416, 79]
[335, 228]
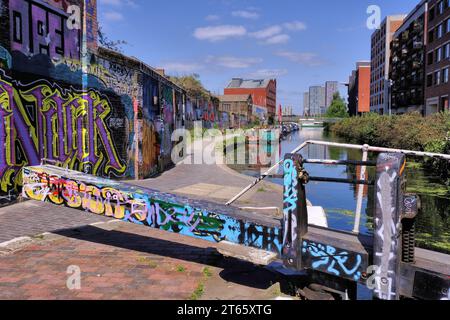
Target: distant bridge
[299, 119]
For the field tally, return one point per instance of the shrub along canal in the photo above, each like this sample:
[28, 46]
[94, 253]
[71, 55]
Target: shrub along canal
[339, 200]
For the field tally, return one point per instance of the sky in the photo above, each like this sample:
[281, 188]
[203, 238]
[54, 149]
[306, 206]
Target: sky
[299, 42]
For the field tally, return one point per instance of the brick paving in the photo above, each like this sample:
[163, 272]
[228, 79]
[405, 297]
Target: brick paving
[30, 218]
[124, 261]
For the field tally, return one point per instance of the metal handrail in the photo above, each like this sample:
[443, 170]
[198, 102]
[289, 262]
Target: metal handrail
[365, 148]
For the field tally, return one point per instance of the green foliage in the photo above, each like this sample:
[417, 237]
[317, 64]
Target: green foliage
[337, 109]
[192, 85]
[410, 131]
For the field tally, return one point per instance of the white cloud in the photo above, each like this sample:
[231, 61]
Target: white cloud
[245, 14]
[306, 58]
[267, 32]
[278, 39]
[119, 3]
[217, 33]
[268, 73]
[181, 67]
[212, 17]
[113, 16]
[295, 26]
[233, 62]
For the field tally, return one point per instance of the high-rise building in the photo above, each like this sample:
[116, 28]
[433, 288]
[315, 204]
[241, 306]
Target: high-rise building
[306, 110]
[437, 89]
[331, 87]
[380, 54]
[407, 62]
[316, 100]
[263, 91]
[359, 89]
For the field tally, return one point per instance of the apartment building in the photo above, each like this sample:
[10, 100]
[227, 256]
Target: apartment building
[437, 88]
[306, 110]
[331, 87]
[316, 100]
[380, 58]
[407, 62]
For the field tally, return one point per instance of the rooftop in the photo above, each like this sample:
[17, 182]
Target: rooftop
[248, 83]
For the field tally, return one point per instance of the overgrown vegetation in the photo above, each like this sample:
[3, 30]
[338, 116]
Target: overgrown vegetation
[108, 43]
[409, 131]
[192, 85]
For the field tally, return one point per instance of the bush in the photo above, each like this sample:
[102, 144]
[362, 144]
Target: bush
[410, 131]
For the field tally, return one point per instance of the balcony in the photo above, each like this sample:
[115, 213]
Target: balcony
[417, 65]
[405, 36]
[417, 45]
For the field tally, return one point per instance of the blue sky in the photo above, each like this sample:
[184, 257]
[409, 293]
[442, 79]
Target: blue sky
[300, 42]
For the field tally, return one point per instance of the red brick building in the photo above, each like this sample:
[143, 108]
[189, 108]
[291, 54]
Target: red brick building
[264, 92]
[437, 88]
[359, 89]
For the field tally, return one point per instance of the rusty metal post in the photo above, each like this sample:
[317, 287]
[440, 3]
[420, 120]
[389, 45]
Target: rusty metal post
[387, 233]
[295, 214]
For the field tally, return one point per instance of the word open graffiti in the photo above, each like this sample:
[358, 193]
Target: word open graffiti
[42, 120]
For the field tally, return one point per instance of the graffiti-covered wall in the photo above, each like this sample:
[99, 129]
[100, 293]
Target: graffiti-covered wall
[65, 100]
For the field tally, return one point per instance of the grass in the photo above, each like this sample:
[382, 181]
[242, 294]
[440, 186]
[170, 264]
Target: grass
[261, 190]
[200, 290]
[180, 268]
[148, 262]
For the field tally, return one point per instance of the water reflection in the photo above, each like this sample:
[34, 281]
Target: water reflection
[339, 200]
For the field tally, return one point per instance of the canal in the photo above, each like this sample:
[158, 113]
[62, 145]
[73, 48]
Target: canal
[339, 200]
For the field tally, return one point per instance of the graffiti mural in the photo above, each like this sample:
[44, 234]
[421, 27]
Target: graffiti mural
[41, 28]
[328, 259]
[144, 207]
[40, 120]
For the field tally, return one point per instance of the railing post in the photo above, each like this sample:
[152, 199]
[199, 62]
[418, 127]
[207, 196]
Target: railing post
[295, 214]
[361, 187]
[387, 234]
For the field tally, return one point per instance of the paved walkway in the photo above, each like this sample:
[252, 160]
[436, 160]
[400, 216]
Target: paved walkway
[125, 261]
[119, 260]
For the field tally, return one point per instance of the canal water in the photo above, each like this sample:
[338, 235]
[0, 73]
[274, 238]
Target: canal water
[339, 200]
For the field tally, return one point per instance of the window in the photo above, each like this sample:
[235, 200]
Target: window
[439, 55]
[440, 31]
[431, 36]
[445, 75]
[448, 24]
[441, 7]
[437, 78]
[430, 58]
[447, 50]
[17, 27]
[429, 80]
[431, 14]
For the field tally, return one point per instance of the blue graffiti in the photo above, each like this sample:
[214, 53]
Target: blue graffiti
[334, 263]
[290, 200]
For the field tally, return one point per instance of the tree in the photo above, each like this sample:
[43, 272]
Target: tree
[337, 109]
[110, 44]
[192, 85]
